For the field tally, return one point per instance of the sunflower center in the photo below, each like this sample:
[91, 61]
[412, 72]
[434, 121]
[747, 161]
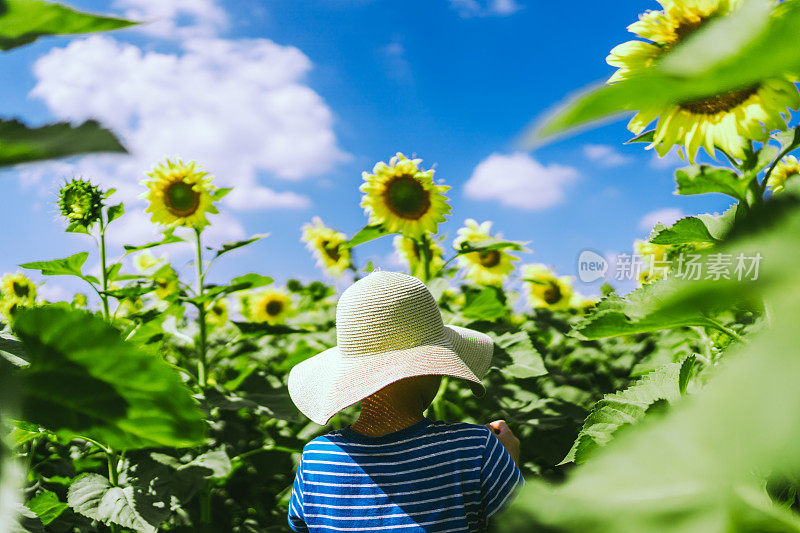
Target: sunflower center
[489, 258]
[331, 250]
[273, 307]
[181, 199]
[407, 198]
[721, 103]
[20, 289]
[552, 294]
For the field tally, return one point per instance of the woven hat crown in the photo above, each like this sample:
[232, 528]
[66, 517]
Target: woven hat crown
[386, 311]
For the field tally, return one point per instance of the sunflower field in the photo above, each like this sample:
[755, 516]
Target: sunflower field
[154, 400]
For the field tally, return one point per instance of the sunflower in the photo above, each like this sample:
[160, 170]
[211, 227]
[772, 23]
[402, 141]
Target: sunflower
[145, 261]
[327, 246]
[546, 289]
[787, 168]
[18, 288]
[488, 267]
[166, 283]
[80, 201]
[582, 303]
[403, 198]
[268, 305]
[726, 121]
[654, 259]
[217, 313]
[79, 301]
[410, 251]
[180, 194]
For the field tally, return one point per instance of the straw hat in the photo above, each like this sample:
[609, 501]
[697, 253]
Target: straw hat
[388, 327]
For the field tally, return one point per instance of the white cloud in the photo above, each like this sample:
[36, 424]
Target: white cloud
[484, 8]
[605, 155]
[670, 161]
[394, 55]
[518, 180]
[176, 19]
[238, 107]
[666, 216]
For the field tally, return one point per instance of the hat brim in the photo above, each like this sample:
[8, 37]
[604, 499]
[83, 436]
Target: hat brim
[326, 383]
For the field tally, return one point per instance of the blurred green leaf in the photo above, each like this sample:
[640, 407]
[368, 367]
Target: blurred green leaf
[115, 211]
[92, 495]
[22, 144]
[108, 390]
[516, 356]
[263, 328]
[685, 230]
[24, 21]
[484, 305]
[46, 506]
[755, 47]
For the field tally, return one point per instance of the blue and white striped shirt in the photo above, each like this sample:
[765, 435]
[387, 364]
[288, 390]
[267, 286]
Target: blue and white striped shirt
[431, 477]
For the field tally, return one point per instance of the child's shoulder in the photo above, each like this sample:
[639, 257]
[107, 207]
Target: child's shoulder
[436, 429]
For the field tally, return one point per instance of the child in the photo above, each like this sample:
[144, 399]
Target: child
[393, 469]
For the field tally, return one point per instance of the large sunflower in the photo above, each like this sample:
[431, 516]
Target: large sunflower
[327, 245]
[18, 288]
[403, 198]
[410, 252]
[786, 168]
[267, 305]
[180, 194]
[725, 121]
[489, 267]
[546, 289]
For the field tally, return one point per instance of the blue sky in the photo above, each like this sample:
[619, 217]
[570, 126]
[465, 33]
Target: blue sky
[290, 100]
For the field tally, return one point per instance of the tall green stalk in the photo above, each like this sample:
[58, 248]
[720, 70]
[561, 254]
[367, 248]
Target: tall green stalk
[103, 270]
[201, 316]
[424, 252]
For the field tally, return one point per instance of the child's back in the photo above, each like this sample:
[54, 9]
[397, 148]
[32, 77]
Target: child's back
[430, 476]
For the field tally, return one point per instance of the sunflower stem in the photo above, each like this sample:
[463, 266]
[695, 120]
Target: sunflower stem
[103, 270]
[425, 255]
[201, 313]
[113, 476]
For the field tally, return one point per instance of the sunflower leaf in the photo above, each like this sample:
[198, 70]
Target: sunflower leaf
[366, 234]
[69, 266]
[22, 144]
[113, 212]
[516, 355]
[93, 496]
[230, 246]
[646, 137]
[263, 328]
[491, 243]
[71, 387]
[219, 194]
[169, 238]
[484, 305]
[46, 506]
[685, 230]
[700, 179]
[24, 21]
[623, 408]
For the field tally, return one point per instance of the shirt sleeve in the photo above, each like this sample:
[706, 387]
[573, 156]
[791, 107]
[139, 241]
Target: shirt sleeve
[500, 476]
[297, 519]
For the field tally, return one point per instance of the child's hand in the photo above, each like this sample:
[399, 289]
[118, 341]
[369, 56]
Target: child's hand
[509, 441]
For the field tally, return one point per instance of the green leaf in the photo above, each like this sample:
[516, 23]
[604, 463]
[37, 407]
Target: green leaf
[219, 194]
[93, 496]
[69, 266]
[366, 234]
[115, 211]
[684, 231]
[24, 21]
[106, 389]
[169, 238]
[639, 312]
[622, 408]
[22, 144]
[46, 506]
[77, 227]
[486, 245]
[757, 47]
[517, 355]
[702, 179]
[646, 137]
[484, 305]
[687, 366]
[229, 246]
[274, 404]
